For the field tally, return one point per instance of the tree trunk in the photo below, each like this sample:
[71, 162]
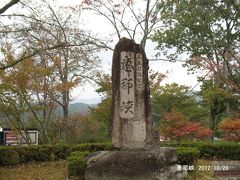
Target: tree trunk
[212, 119]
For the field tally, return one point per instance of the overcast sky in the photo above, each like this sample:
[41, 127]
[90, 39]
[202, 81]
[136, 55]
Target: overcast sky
[99, 25]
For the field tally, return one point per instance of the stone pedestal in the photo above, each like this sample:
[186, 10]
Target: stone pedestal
[146, 164]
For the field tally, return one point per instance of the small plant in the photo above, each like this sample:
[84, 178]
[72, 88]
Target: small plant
[76, 163]
[187, 155]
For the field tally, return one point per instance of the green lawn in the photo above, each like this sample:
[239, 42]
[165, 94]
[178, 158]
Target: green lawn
[35, 171]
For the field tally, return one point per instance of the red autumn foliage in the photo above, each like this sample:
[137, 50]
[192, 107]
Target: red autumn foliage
[176, 127]
[230, 129]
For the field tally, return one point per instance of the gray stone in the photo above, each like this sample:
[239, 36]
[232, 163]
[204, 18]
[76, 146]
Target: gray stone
[226, 170]
[141, 164]
[131, 125]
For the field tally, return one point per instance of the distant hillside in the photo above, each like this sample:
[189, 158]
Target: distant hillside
[79, 107]
[73, 108]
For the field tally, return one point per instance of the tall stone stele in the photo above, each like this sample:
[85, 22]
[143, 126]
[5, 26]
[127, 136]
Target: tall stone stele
[131, 125]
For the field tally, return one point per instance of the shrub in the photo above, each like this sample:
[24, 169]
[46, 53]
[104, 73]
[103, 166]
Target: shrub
[20, 154]
[9, 156]
[76, 163]
[231, 129]
[187, 155]
[220, 150]
[176, 126]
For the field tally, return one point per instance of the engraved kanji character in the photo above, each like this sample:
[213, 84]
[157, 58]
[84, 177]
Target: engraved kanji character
[126, 84]
[127, 107]
[126, 64]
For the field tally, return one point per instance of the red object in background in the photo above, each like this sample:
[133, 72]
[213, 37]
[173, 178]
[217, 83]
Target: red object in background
[12, 138]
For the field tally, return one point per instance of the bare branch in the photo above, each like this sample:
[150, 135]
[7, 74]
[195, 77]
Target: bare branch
[167, 60]
[24, 56]
[139, 22]
[8, 5]
[14, 31]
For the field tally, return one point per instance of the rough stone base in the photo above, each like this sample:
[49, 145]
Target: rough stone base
[146, 164]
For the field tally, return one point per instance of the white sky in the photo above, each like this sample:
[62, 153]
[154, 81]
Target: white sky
[176, 73]
[99, 25]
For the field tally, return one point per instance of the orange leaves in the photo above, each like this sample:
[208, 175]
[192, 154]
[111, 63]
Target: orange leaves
[230, 124]
[64, 86]
[175, 126]
[231, 129]
[57, 61]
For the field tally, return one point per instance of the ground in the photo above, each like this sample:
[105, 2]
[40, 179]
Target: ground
[58, 171]
[35, 171]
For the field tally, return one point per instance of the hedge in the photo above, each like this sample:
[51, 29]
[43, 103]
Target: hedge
[20, 154]
[76, 164]
[187, 155]
[221, 150]
[217, 150]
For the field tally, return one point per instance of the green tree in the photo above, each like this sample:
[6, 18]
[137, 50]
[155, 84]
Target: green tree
[181, 99]
[101, 113]
[208, 32]
[215, 99]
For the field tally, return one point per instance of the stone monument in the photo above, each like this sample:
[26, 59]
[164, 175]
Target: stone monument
[139, 158]
[131, 125]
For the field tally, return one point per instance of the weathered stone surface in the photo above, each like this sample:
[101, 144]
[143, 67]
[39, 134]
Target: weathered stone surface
[131, 125]
[145, 164]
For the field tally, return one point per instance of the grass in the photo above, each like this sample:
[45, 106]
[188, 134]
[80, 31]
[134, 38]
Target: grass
[202, 170]
[58, 171]
[35, 171]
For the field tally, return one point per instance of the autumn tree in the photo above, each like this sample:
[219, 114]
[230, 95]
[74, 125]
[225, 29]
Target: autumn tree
[23, 99]
[230, 129]
[182, 99]
[51, 35]
[176, 127]
[82, 129]
[208, 32]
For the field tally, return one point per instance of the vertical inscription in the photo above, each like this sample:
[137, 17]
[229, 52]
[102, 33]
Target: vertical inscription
[127, 84]
[139, 72]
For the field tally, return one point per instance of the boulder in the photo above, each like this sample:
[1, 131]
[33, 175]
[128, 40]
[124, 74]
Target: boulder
[138, 164]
